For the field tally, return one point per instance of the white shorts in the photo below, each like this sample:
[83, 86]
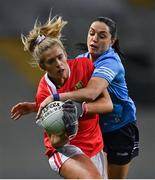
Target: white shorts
[68, 151]
[100, 161]
[62, 154]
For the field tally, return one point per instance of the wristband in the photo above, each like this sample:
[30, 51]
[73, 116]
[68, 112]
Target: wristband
[85, 108]
[56, 97]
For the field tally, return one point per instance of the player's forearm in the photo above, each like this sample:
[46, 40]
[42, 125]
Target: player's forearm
[85, 94]
[102, 105]
[92, 91]
[33, 107]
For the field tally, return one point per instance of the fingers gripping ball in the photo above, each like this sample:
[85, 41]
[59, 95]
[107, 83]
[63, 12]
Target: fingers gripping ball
[51, 118]
[70, 118]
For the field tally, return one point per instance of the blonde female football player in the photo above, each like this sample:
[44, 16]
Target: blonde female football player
[75, 159]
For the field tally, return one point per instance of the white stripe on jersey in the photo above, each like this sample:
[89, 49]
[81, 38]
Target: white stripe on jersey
[54, 90]
[103, 68]
[106, 71]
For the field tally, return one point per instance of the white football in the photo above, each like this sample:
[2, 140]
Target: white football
[51, 118]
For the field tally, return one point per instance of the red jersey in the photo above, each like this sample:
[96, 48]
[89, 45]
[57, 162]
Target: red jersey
[89, 137]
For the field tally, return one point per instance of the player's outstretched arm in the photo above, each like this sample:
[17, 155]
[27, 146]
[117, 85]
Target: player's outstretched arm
[103, 104]
[90, 93]
[22, 108]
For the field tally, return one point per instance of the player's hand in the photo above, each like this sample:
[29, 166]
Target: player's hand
[70, 118]
[21, 109]
[59, 141]
[81, 108]
[43, 104]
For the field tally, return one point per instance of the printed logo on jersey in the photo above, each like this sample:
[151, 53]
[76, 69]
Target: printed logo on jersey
[78, 85]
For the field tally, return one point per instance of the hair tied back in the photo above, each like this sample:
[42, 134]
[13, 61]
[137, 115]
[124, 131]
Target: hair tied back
[39, 39]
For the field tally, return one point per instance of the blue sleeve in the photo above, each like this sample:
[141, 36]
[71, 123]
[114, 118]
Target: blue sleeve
[106, 68]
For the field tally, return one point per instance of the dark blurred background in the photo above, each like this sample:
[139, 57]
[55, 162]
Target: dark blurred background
[21, 143]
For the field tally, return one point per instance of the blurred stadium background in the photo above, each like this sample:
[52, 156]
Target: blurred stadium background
[21, 143]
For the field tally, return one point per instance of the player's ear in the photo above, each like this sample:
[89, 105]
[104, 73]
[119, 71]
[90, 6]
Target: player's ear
[113, 41]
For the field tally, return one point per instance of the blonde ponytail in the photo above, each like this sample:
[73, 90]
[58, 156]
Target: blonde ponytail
[42, 37]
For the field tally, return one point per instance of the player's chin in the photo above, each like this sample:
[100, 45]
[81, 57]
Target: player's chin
[62, 75]
[91, 51]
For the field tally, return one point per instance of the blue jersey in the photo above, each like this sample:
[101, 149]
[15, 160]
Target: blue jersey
[110, 67]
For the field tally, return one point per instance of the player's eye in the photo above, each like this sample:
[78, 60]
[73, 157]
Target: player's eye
[91, 32]
[49, 61]
[102, 36]
[60, 56]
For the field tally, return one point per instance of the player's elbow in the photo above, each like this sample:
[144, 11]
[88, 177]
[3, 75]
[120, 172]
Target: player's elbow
[110, 106]
[107, 108]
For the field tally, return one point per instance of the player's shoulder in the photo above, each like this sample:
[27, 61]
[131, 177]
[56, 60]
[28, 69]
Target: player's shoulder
[42, 85]
[42, 81]
[80, 61]
[42, 91]
[109, 58]
[81, 64]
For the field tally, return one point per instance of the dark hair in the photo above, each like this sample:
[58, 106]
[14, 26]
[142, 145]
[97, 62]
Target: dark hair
[113, 31]
[110, 23]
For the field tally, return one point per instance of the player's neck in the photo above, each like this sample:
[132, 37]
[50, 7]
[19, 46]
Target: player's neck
[93, 57]
[60, 83]
[57, 82]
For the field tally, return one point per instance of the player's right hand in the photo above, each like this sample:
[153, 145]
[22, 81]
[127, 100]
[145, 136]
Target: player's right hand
[21, 109]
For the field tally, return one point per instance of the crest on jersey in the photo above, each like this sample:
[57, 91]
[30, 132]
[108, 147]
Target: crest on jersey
[79, 85]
